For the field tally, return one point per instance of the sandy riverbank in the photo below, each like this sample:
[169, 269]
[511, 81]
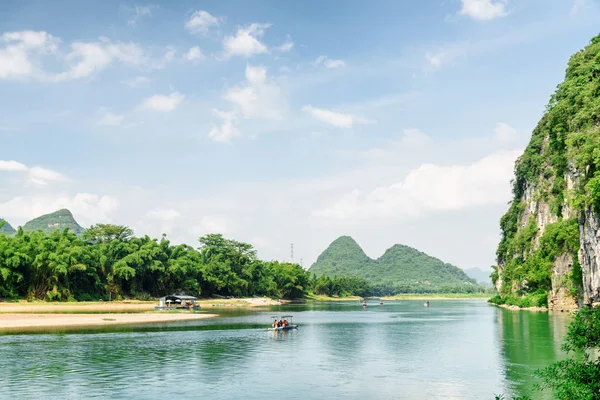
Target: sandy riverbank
[23, 314]
[69, 320]
[122, 306]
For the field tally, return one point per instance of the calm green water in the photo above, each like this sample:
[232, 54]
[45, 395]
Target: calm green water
[451, 350]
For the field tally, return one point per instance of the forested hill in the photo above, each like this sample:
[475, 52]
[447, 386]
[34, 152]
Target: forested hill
[6, 228]
[57, 220]
[399, 266]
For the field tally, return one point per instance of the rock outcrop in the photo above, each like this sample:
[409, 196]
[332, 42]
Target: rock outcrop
[551, 233]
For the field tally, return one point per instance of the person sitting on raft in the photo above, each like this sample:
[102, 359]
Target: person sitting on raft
[285, 323]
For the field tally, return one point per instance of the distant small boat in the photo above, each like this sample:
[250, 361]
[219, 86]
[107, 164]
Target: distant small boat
[286, 325]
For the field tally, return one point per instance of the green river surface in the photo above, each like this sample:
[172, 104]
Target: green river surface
[454, 349]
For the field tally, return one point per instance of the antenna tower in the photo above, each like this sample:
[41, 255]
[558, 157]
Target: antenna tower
[292, 252]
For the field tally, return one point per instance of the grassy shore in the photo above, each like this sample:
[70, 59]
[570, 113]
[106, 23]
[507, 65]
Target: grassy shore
[439, 296]
[408, 296]
[322, 297]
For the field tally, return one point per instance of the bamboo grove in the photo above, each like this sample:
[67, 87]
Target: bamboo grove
[109, 262]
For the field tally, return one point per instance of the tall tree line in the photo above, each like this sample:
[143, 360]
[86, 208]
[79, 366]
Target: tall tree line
[109, 262]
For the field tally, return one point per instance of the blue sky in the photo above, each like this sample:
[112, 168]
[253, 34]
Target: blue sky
[280, 122]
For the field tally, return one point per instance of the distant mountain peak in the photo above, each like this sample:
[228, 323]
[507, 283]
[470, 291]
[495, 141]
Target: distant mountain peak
[7, 228]
[400, 264]
[57, 220]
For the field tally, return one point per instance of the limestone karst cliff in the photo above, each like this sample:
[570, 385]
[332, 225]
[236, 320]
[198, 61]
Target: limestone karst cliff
[550, 246]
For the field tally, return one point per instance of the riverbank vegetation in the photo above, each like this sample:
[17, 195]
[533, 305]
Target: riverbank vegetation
[107, 262]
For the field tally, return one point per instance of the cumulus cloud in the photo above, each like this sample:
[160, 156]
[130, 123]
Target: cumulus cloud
[246, 41]
[194, 54]
[43, 176]
[484, 10]
[139, 12]
[329, 63]
[23, 55]
[434, 60]
[137, 81]
[12, 165]
[201, 21]
[259, 97]
[111, 119]
[286, 46]
[227, 130]
[19, 56]
[432, 187]
[37, 176]
[333, 118]
[413, 137]
[87, 58]
[163, 103]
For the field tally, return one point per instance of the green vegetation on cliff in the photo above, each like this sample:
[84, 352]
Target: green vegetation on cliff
[565, 145]
[6, 228]
[57, 220]
[401, 269]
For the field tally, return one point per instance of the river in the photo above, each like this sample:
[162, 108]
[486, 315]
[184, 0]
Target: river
[454, 349]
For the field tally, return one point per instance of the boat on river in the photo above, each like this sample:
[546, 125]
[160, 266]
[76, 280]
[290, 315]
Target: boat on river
[284, 327]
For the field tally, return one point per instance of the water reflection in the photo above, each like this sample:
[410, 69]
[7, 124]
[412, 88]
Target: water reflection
[529, 341]
[450, 350]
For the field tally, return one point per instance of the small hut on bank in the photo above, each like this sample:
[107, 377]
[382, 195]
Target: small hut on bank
[177, 302]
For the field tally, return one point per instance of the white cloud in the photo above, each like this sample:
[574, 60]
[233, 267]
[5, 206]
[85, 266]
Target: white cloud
[329, 63]
[93, 57]
[21, 51]
[245, 43]
[87, 208]
[285, 47]
[484, 10]
[504, 134]
[227, 130]
[413, 137]
[259, 97]
[337, 119]
[42, 176]
[194, 54]
[12, 165]
[200, 22]
[434, 59]
[164, 214]
[137, 81]
[164, 103]
[23, 55]
[430, 188]
[34, 175]
[111, 119]
[138, 13]
[165, 59]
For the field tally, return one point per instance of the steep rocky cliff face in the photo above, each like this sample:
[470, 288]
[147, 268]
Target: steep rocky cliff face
[550, 247]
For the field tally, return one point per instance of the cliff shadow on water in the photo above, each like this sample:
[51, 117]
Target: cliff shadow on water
[529, 341]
